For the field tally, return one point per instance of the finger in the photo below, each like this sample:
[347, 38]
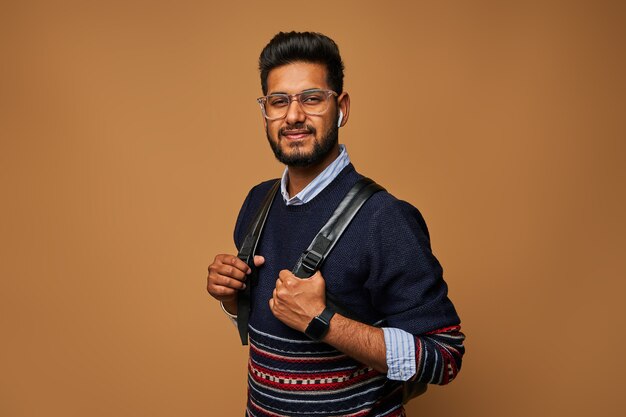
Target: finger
[223, 281]
[227, 271]
[285, 274]
[234, 262]
[317, 275]
[221, 292]
[258, 260]
[271, 304]
[318, 280]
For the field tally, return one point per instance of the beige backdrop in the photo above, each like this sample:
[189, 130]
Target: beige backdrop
[130, 136]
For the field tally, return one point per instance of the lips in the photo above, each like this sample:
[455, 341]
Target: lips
[296, 134]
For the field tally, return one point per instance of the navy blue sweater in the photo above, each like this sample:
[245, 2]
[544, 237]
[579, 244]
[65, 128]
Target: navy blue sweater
[382, 269]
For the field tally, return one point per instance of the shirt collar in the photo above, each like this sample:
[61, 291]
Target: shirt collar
[318, 184]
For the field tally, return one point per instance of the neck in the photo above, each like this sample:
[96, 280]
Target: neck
[300, 177]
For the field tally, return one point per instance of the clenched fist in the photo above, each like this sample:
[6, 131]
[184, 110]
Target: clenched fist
[296, 301]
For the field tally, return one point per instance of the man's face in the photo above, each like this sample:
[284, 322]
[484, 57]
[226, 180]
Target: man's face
[299, 139]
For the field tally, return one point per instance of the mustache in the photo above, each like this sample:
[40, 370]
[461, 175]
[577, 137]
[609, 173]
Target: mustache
[297, 127]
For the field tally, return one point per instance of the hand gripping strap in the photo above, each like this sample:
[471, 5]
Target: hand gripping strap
[246, 254]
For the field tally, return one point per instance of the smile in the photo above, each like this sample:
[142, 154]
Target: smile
[296, 134]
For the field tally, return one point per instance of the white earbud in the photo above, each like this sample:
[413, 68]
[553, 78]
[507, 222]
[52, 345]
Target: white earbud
[340, 118]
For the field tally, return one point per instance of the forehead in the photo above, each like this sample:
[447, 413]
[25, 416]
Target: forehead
[296, 77]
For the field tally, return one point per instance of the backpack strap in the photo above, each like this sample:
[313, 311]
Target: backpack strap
[312, 258]
[246, 254]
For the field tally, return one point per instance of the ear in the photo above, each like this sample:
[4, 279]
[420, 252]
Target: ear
[343, 104]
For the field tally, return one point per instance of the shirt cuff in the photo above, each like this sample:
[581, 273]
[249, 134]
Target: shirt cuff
[400, 354]
[232, 317]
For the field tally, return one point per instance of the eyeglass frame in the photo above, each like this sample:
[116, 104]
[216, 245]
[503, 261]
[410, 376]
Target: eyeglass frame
[294, 97]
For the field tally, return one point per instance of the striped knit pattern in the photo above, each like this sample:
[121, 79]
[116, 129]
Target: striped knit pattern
[439, 355]
[277, 370]
[308, 378]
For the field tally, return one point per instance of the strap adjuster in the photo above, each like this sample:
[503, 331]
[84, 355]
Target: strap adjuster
[311, 261]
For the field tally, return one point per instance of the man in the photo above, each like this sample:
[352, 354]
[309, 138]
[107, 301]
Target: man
[382, 268]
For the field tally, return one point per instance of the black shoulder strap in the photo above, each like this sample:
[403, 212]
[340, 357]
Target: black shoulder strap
[246, 254]
[312, 258]
[323, 243]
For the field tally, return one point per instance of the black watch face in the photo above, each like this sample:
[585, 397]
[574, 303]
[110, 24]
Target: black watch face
[317, 328]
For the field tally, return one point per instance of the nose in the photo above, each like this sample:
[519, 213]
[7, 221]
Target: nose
[295, 114]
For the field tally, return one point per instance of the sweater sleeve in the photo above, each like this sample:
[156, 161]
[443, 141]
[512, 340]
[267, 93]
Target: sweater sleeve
[407, 288]
[405, 280]
[434, 358]
[439, 355]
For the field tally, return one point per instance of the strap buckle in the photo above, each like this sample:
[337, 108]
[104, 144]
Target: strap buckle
[311, 261]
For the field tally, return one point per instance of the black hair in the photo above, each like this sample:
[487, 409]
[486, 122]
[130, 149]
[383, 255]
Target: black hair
[289, 47]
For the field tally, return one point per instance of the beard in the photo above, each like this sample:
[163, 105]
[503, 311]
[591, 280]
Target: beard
[298, 157]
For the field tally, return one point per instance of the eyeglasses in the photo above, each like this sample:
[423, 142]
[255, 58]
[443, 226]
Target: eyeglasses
[312, 102]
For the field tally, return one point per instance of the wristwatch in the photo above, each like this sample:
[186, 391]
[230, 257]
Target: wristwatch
[318, 327]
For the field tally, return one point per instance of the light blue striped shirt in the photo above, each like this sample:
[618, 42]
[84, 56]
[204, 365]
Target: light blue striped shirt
[399, 345]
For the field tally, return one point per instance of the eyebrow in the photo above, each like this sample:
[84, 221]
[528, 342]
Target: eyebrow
[303, 91]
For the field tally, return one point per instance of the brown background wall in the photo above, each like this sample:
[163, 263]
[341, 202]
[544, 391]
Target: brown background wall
[129, 137]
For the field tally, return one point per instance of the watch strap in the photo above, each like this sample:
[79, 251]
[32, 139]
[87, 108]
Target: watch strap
[318, 327]
[327, 314]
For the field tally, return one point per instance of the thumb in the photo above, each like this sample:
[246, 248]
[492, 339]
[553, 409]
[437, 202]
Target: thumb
[258, 260]
[318, 280]
[317, 276]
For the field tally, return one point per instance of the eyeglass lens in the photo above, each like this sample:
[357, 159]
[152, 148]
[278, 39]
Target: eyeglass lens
[311, 102]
